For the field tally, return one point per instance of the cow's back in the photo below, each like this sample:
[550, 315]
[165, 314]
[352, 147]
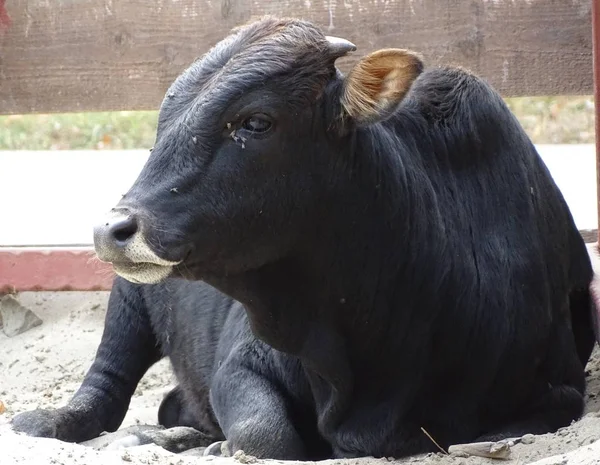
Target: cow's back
[508, 266]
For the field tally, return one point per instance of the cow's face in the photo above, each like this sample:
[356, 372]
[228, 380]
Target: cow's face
[249, 140]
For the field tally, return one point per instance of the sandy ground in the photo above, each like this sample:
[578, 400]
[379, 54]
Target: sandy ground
[43, 367]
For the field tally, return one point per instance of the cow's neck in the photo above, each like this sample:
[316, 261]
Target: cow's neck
[350, 266]
[335, 300]
[284, 315]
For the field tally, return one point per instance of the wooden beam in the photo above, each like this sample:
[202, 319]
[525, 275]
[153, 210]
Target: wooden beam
[95, 55]
[596, 63]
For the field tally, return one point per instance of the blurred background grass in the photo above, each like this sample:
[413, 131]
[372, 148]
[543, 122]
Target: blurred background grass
[547, 120]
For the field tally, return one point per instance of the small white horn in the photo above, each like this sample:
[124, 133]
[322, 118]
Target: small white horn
[339, 46]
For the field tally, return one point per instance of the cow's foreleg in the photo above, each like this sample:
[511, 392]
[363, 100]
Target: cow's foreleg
[253, 414]
[128, 348]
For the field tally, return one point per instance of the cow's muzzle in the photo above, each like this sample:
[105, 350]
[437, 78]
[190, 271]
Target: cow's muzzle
[119, 240]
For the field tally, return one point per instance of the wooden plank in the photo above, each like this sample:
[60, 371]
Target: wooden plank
[596, 63]
[86, 55]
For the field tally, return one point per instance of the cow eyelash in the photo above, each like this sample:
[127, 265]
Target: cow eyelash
[256, 124]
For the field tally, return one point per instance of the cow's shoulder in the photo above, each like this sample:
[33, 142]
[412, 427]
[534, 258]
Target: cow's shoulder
[463, 120]
[443, 88]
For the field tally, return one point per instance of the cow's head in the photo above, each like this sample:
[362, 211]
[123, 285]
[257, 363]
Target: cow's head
[250, 146]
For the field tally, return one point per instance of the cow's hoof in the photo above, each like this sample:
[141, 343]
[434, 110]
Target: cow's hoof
[174, 411]
[37, 423]
[218, 449]
[127, 437]
[178, 439]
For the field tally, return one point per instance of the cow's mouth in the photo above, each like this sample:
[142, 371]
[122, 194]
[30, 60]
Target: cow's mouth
[142, 273]
[120, 240]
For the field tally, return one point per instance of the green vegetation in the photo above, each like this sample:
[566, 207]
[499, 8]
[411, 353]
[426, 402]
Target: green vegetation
[556, 120]
[107, 130]
[549, 120]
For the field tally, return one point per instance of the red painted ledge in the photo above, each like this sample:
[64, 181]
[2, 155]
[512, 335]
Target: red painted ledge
[53, 269]
[76, 268]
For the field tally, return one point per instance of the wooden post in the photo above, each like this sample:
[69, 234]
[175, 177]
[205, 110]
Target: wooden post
[596, 62]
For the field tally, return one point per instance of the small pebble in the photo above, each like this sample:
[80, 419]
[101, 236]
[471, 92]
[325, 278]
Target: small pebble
[241, 457]
[528, 439]
[588, 440]
[16, 318]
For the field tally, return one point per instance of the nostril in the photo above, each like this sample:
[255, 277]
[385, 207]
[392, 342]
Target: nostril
[124, 230]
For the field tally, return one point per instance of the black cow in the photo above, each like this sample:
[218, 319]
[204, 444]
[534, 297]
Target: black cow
[399, 256]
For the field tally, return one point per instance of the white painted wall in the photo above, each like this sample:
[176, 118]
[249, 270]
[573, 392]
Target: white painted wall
[55, 198]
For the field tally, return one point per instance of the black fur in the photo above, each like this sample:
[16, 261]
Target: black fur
[423, 271]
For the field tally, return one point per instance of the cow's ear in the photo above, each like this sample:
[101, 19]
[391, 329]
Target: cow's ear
[378, 83]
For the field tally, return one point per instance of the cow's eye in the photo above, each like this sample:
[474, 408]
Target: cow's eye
[258, 124]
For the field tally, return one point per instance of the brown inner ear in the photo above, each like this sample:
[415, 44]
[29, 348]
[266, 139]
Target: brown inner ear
[380, 80]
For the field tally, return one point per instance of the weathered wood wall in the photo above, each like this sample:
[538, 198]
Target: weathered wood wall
[86, 55]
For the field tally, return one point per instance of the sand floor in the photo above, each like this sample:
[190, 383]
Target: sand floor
[43, 367]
